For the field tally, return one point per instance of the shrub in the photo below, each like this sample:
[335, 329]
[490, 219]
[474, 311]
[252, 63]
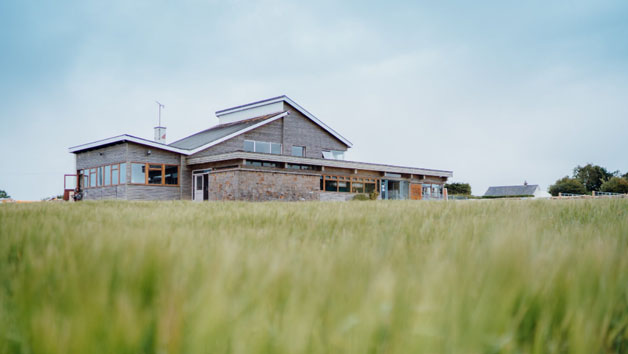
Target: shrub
[615, 185]
[567, 185]
[361, 197]
[458, 188]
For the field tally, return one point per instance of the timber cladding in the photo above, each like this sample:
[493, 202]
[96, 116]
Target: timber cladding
[129, 153]
[301, 131]
[292, 130]
[271, 132]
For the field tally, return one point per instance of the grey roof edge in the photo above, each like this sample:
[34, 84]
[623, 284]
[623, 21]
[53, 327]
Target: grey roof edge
[321, 162]
[123, 138]
[298, 107]
[236, 108]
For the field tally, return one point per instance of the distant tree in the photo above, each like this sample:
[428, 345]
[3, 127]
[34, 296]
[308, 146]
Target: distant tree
[567, 185]
[625, 176]
[615, 185]
[458, 188]
[591, 176]
[4, 194]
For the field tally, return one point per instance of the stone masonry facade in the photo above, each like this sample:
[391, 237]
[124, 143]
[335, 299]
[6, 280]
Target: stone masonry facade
[255, 185]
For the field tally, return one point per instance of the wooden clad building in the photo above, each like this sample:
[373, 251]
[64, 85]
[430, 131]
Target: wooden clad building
[272, 149]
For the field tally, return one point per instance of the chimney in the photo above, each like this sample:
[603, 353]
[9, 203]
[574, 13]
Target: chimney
[525, 183]
[160, 135]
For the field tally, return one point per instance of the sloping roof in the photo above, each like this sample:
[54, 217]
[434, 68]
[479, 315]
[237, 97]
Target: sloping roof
[125, 138]
[296, 106]
[217, 132]
[504, 191]
[206, 138]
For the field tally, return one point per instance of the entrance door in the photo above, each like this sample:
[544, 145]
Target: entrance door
[199, 187]
[415, 191]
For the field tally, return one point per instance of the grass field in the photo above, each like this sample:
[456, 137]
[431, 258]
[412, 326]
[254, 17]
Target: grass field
[357, 277]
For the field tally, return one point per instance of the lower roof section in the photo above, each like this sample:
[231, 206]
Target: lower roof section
[317, 162]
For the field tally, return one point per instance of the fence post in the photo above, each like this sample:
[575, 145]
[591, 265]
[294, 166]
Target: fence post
[560, 194]
[593, 194]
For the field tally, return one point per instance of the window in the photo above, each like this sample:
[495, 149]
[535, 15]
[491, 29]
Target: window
[92, 177]
[299, 167]
[122, 173]
[298, 151]
[114, 174]
[107, 176]
[249, 145]
[100, 176]
[171, 175]
[331, 186]
[138, 173]
[261, 163]
[262, 146]
[349, 184]
[155, 174]
[333, 154]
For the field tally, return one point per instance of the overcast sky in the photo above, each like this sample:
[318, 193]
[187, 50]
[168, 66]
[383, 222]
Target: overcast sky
[498, 92]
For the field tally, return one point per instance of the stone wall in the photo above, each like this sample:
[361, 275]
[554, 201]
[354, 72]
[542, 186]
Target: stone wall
[262, 186]
[257, 185]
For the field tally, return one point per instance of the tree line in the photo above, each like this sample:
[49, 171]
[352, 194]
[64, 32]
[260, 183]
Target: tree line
[591, 178]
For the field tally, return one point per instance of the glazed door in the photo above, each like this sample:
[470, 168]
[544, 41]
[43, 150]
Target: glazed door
[199, 187]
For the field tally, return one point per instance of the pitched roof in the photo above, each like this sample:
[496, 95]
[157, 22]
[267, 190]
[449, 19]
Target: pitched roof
[504, 191]
[217, 132]
[296, 106]
[204, 140]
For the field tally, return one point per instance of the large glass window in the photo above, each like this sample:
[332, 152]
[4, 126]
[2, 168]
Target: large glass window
[261, 146]
[249, 145]
[357, 187]
[171, 174]
[349, 184]
[100, 176]
[107, 176]
[298, 151]
[92, 177]
[333, 155]
[155, 174]
[138, 173]
[122, 173]
[115, 173]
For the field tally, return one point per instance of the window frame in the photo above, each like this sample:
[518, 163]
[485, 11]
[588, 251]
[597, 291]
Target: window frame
[97, 174]
[350, 180]
[297, 146]
[147, 169]
[270, 147]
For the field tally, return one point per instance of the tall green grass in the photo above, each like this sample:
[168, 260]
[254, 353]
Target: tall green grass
[355, 277]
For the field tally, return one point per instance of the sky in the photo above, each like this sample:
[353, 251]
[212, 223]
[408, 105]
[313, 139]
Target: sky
[497, 92]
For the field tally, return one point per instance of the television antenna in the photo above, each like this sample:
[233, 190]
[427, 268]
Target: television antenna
[160, 107]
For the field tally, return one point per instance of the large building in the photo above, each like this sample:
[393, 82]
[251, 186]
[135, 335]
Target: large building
[272, 149]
